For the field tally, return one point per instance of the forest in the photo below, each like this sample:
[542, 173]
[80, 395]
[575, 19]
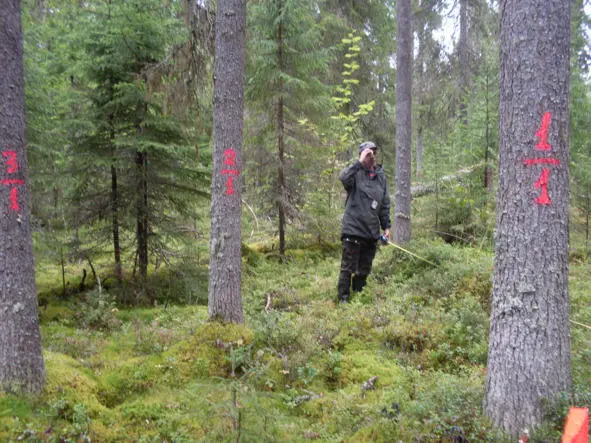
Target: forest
[172, 231]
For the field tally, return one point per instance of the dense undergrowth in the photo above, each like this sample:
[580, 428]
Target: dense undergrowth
[405, 361]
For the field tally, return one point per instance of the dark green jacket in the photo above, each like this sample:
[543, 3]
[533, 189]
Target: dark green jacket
[363, 187]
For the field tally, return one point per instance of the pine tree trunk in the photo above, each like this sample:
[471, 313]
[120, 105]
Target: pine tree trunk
[403, 122]
[115, 224]
[225, 298]
[21, 361]
[488, 172]
[463, 56]
[281, 143]
[420, 83]
[419, 156]
[529, 349]
[142, 213]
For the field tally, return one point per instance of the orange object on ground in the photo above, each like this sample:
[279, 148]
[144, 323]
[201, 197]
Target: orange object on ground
[576, 429]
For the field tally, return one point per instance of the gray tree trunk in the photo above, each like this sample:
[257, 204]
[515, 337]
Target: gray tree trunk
[419, 85]
[419, 156]
[463, 58]
[281, 194]
[141, 162]
[402, 199]
[225, 298]
[21, 361]
[529, 349]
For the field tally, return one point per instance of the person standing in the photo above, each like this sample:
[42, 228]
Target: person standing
[367, 209]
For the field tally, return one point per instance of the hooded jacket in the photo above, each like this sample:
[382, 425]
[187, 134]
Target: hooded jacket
[364, 187]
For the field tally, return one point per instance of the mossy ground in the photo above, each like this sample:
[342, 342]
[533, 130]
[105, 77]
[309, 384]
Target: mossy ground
[294, 372]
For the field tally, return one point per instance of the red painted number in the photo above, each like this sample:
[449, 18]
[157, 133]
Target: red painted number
[11, 164]
[14, 199]
[230, 160]
[230, 185]
[12, 168]
[542, 183]
[230, 157]
[542, 133]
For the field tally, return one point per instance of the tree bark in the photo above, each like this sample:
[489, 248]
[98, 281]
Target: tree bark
[488, 171]
[142, 213]
[22, 369]
[419, 156]
[403, 122]
[225, 298]
[115, 224]
[281, 142]
[463, 58]
[529, 349]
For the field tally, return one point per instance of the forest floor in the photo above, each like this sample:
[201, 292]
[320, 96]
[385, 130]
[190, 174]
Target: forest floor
[404, 361]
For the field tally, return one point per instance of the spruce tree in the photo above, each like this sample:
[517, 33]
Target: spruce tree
[143, 172]
[284, 86]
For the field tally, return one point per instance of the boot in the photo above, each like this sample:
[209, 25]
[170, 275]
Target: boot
[359, 281]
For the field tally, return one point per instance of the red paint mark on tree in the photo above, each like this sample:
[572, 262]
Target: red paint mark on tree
[542, 133]
[541, 161]
[14, 200]
[12, 168]
[230, 157]
[11, 163]
[543, 145]
[542, 183]
[230, 186]
[230, 160]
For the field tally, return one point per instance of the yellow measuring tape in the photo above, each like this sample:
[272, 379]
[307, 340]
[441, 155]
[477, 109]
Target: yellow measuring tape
[580, 324]
[413, 254]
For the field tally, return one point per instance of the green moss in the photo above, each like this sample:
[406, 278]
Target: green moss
[134, 376]
[12, 406]
[207, 353]
[56, 313]
[359, 366]
[68, 380]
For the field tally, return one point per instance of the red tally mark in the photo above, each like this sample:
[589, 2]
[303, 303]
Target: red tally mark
[542, 133]
[542, 184]
[230, 161]
[12, 168]
[14, 199]
[543, 145]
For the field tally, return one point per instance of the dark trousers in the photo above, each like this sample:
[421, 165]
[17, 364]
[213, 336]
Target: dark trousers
[356, 261]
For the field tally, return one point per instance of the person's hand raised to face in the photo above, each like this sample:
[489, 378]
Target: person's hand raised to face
[368, 158]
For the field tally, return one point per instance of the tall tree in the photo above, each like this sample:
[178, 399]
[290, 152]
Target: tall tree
[143, 169]
[286, 86]
[529, 350]
[403, 121]
[463, 57]
[426, 20]
[21, 361]
[225, 298]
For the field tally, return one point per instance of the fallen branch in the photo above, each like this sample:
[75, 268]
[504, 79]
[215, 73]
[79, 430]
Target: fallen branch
[306, 397]
[368, 385]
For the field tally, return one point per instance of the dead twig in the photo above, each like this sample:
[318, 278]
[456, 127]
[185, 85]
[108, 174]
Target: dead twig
[268, 305]
[368, 385]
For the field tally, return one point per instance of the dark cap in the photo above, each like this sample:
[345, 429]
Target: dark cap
[363, 146]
